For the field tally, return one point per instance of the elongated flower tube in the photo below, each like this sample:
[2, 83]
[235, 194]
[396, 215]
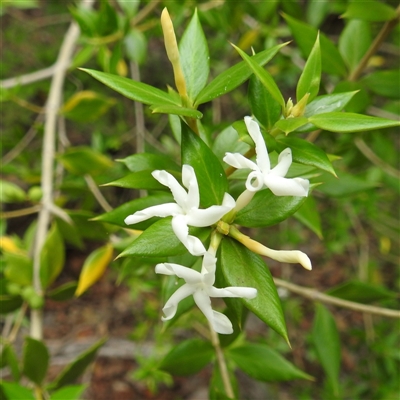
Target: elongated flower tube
[185, 212]
[262, 175]
[200, 286]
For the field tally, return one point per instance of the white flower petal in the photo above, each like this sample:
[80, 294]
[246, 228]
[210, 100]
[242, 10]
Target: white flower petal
[190, 275]
[236, 160]
[206, 217]
[160, 210]
[287, 187]
[228, 201]
[284, 162]
[255, 181]
[233, 291]
[288, 256]
[221, 323]
[190, 182]
[261, 148]
[166, 179]
[171, 305]
[181, 230]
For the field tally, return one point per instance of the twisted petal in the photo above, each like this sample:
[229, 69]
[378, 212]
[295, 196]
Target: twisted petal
[206, 217]
[255, 181]
[190, 182]
[261, 149]
[208, 268]
[161, 210]
[190, 275]
[284, 162]
[289, 256]
[166, 179]
[232, 291]
[287, 187]
[181, 230]
[171, 305]
[218, 321]
[239, 161]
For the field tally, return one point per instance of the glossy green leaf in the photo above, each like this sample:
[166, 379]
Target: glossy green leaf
[331, 60]
[263, 106]
[306, 153]
[264, 77]
[266, 209]
[131, 89]
[18, 268]
[63, 292]
[311, 76]
[77, 367]
[138, 180]
[159, 240]
[87, 228]
[142, 161]
[382, 83]
[350, 122]
[14, 391]
[241, 267]
[70, 233]
[308, 215]
[118, 215]
[327, 344]
[52, 257]
[10, 357]
[234, 76]
[228, 141]
[291, 124]
[94, 267]
[374, 11]
[72, 392]
[210, 175]
[177, 110]
[35, 360]
[354, 42]
[328, 103]
[188, 357]
[83, 160]
[360, 101]
[194, 57]
[317, 11]
[10, 303]
[361, 292]
[264, 364]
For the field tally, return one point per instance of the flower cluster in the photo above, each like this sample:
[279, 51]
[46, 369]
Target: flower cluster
[185, 212]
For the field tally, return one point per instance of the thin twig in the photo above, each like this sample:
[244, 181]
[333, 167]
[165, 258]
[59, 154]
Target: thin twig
[97, 194]
[20, 213]
[29, 78]
[324, 298]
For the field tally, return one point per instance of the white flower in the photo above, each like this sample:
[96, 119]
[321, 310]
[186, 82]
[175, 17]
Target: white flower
[262, 174]
[185, 212]
[200, 285]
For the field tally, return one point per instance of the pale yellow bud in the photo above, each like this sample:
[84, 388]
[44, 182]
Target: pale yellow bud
[300, 107]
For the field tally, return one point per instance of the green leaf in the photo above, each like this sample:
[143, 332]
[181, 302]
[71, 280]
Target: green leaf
[14, 391]
[350, 122]
[210, 175]
[135, 43]
[328, 103]
[311, 76]
[264, 364]
[263, 106]
[375, 11]
[86, 19]
[11, 193]
[35, 360]
[381, 83]
[143, 161]
[354, 42]
[63, 292]
[75, 369]
[82, 160]
[241, 267]
[327, 344]
[291, 124]
[228, 141]
[52, 257]
[72, 392]
[331, 60]
[10, 357]
[138, 180]
[254, 215]
[308, 215]
[177, 110]
[10, 303]
[131, 89]
[118, 215]
[18, 268]
[306, 153]
[361, 292]
[188, 357]
[234, 76]
[194, 57]
[159, 240]
[264, 77]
